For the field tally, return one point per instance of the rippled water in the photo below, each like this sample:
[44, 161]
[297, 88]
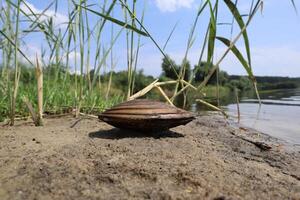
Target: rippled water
[278, 116]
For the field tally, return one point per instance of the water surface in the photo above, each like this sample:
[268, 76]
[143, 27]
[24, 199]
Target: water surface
[278, 116]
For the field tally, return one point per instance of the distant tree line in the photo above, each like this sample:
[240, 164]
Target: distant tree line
[273, 82]
[196, 74]
[222, 78]
[200, 72]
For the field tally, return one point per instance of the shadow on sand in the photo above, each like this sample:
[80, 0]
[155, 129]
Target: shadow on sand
[115, 134]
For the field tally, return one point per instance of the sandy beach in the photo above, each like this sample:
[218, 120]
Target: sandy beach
[87, 159]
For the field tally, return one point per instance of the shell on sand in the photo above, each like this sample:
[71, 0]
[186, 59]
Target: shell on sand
[146, 115]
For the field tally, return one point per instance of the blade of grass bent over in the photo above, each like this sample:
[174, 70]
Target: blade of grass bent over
[236, 14]
[211, 72]
[116, 21]
[238, 54]
[13, 43]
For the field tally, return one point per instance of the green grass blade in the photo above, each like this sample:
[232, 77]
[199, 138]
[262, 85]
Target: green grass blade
[96, 72]
[202, 8]
[294, 5]
[37, 18]
[137, 50]
[40, 25]
[11, 42]
[238, 54]
[236, 14]
[170, 35]
[149, 35]
[116, 21]
[110, 9]
[211, 35]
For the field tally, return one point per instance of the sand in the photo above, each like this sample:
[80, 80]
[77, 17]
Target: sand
[206, 159]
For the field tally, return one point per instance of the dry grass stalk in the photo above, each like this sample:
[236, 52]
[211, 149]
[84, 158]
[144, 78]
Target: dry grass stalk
[143, 91]
[31, 110]
[156, 84]
[39, 77]
[88, 115]
[77, 110]
[186, 85]
[238, 104]
[164, 95]
[212, 106]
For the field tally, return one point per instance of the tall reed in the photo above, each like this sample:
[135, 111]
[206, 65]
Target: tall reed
[17, 68]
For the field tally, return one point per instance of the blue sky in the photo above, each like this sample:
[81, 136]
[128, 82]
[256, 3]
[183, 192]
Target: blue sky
[274, 35]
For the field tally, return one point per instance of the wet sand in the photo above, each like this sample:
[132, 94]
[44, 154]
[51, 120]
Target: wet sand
[88, 159]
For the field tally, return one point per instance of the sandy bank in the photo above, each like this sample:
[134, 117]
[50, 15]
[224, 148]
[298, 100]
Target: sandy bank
[90, 160]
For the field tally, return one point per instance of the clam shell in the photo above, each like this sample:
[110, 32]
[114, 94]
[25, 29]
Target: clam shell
[146, 115]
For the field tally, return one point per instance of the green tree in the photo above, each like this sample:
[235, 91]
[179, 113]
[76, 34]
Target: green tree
[202, 70]
[187, 69]
[167, 69]
[243, 84]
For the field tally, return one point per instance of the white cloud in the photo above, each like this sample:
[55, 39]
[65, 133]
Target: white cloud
[59, 19]
[73, 55]
[31, 51]
[173, 5]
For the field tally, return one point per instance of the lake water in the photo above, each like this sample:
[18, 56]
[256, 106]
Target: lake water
[278, 116]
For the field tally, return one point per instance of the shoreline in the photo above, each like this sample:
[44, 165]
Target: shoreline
[289, 145]
[207, 159]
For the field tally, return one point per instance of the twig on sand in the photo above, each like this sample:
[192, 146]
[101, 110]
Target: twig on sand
[56, 115]
[86, 116]
[261, 145]
[89, 115]
[6, 122]
[75, 123]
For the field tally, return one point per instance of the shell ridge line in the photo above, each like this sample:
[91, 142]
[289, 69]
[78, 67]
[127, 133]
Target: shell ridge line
[146, 115]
